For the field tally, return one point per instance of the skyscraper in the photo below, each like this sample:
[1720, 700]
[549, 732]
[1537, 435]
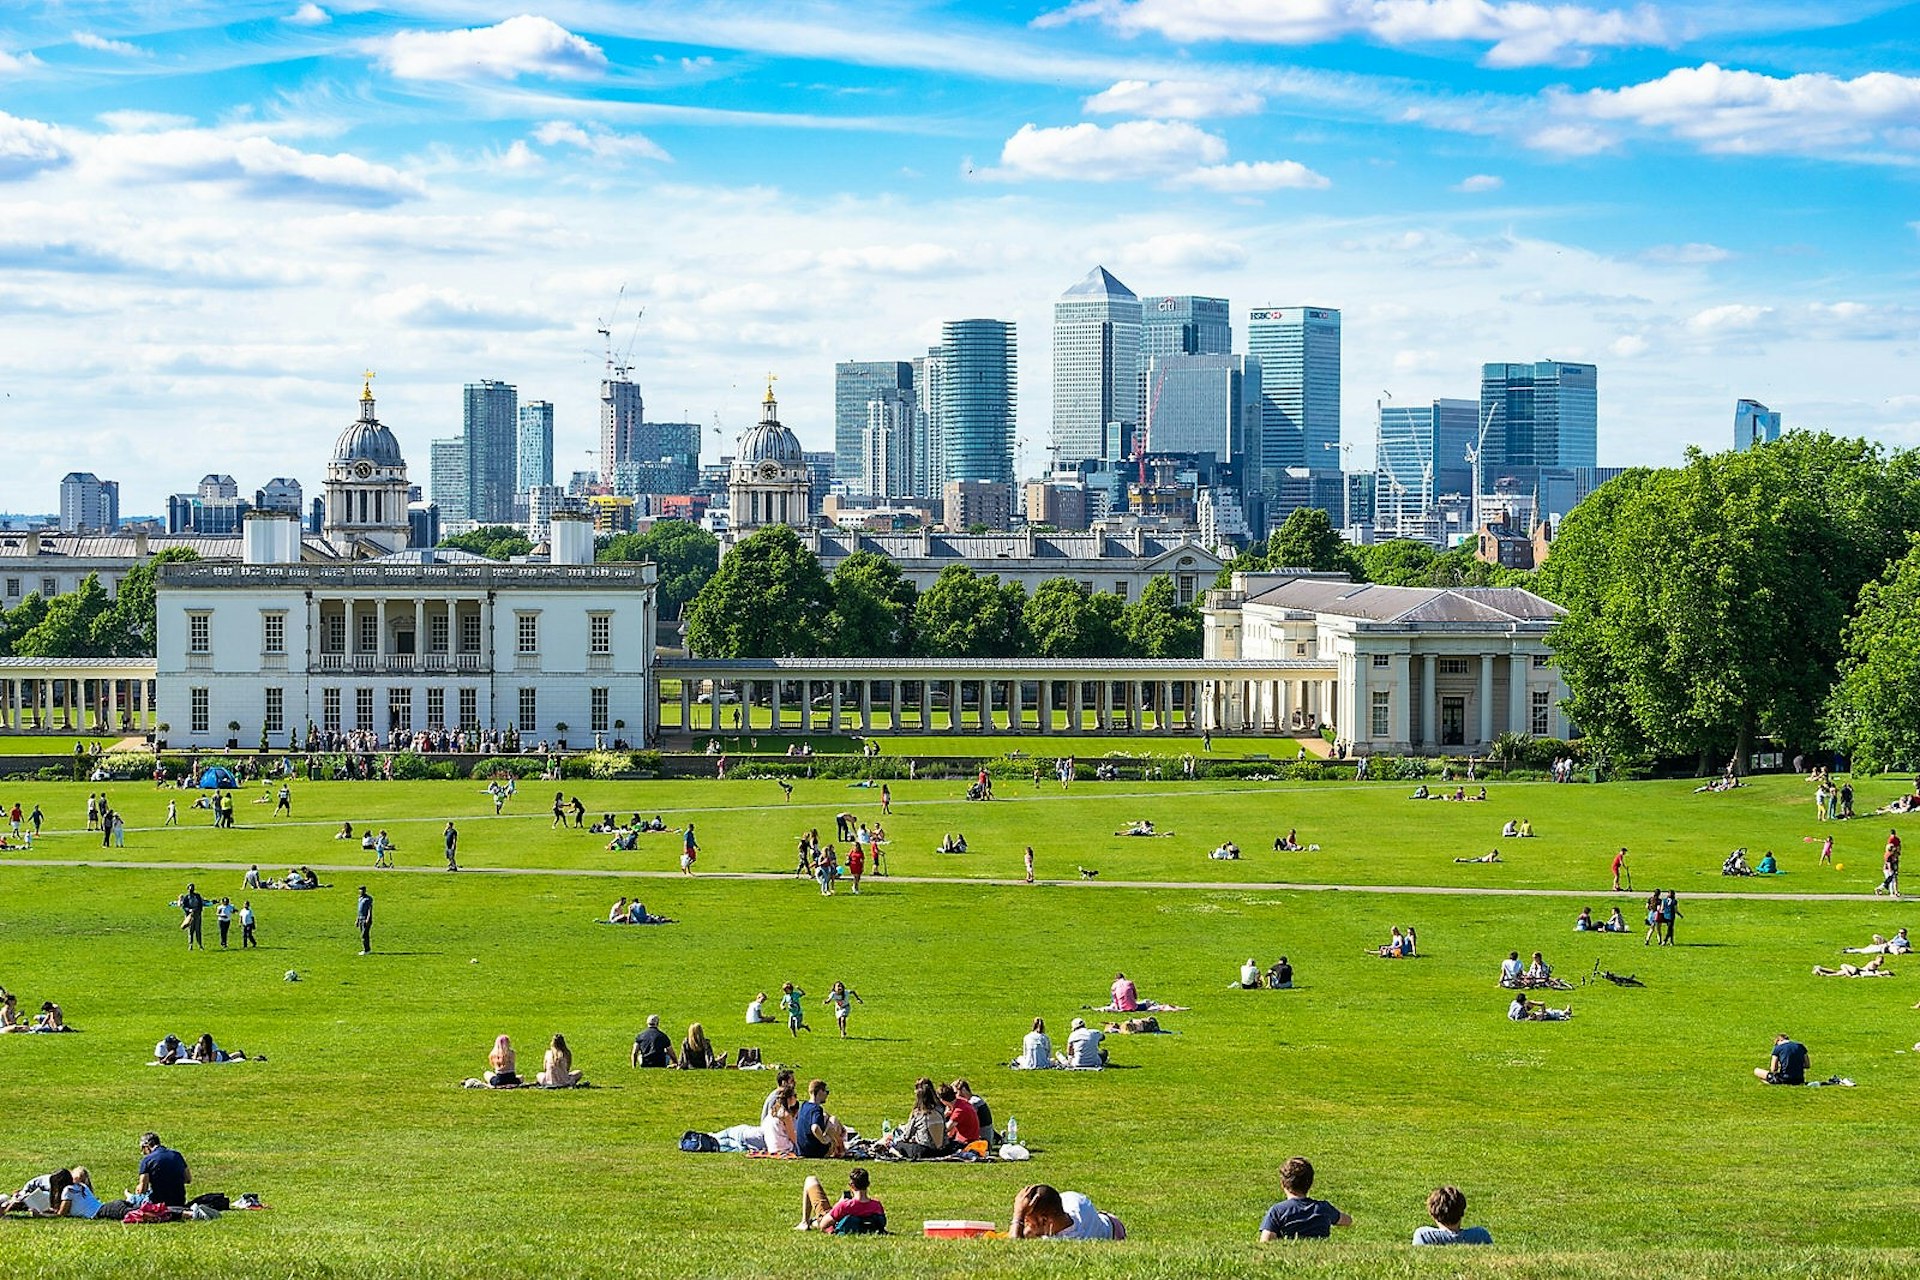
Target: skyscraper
[1180, 326]
[929, 377]
[892, 465]
[1204, 404]
[280, 494]
[978, 364]
[1753, 423]
[1096, 368]
[88, 503]
[490, 426]
[855, 384]
[662, 457]
[1299, 353]
[1544, 414]
[1420, 453]
[534, 464]
[621, 412]
[447, 478]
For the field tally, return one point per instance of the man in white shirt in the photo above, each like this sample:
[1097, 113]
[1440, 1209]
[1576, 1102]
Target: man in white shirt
[1250, 976]
[1510, 969]
[1083, 1047]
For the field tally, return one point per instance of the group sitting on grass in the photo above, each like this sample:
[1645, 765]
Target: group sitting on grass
[1083, 1051]
[159, 1193]
[49, 1019]
[1400, 945]
[556, 1069]
[1535, 973]
[1278, 977]
[1736, 865]
[1525, 1010]
[1517, 829]
[953, 842]
[173, 1051]
[1615, 923]
[635, 912]
[1225, 851]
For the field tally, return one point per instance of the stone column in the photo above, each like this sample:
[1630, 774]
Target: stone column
[1486, 701]
[834, 709]
[866, 706]
[1073, 706]
[956, 719]
[774, 701]
[686, 705]
[1429, 702]
[1518, 711]
[1016, 712]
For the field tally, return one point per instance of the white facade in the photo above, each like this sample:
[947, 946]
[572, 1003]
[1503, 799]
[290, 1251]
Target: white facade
[415, 641]
[1416, 669]
[768, 481]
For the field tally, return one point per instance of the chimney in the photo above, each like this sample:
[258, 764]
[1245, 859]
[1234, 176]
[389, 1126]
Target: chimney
[569, 538]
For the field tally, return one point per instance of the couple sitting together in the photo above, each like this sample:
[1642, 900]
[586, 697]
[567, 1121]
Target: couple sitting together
[50, 1018]
[172, 1052]
[1616, 923]
[1521, 829]
[556, 1072]
[636, 913]
[1083, 1051]
[1399, 946]
[1277, 978]
[1039, 1212]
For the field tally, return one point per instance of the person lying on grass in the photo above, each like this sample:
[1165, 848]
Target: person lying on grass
[1492, 855]
[1040, 1212]
[1525, 1010]
[1874, 968]
[1140, 827]
[1897, 945]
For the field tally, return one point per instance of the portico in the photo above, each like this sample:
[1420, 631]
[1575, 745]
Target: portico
[76, 695]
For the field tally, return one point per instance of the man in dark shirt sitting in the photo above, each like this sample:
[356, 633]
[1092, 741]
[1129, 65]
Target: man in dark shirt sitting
[1789, 1063]
[652, 1048]
[817, 1135]
[1298, 1217]
[163, 1173]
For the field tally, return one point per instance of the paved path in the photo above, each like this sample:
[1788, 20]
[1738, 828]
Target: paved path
[1206, 886]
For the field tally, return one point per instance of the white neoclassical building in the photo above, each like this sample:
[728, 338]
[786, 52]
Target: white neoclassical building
[769, 482]
[1413, 669]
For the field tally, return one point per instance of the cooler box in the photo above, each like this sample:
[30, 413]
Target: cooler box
[957, 1228]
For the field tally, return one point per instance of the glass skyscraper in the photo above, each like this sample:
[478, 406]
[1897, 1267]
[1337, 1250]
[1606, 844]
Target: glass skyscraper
[447, 477]
[621, 412]
[1754, 423]
[1181, 325]
[490, 426]
[1420, 453]
[1544, 414]
[1096, 368]
[978, 369]
[855, 383]
[535, 462]
[1299, 353]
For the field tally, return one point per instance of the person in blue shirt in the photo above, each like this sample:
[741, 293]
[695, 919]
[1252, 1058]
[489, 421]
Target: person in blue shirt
[1447, 1206]
[1788, 1065]
[1298, 1217]
[163, 1173]
[363, 917]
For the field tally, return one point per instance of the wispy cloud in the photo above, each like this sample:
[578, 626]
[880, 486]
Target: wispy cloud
[599, 141]
[100, 44]
[427, 307]
[1686, 255]
[1479, 182]
[525, 45]
[1173, 100]
[258, 164]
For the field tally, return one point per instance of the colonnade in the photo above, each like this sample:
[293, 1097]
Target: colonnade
[952, 705]
[37, 697]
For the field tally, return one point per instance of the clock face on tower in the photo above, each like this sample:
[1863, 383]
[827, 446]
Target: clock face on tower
[768, 471]
[363, 469]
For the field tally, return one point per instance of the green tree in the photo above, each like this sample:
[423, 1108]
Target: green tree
[1873, 714]
[968, 615]
[686, 554]
[134, 604]
[1064, 620]
[494, 541]
[18, 621]
[1157, 625]
[76, 624]
[1399, 562]
[769, 599]
[873, 605]
[1306, 539]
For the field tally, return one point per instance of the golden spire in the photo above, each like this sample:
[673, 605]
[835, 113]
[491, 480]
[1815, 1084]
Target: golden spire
[366, 388]
[771, 379]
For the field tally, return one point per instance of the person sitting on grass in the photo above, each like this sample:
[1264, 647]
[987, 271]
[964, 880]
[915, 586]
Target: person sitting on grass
[1288, 843]
[77, 1199]
[619, 913]
[1584, 923]
[1298, 1217]
[557, 1071]
[1897, 945]
[1250, 975]
[696, 1051]
[1123, 997]
[1420, 793]
[1511, 831]
[1226, 852]
[1767, 866]
[963, 1122]
[1280, 975]
[638, 914]
[1874, 968]
[1395, 947]
[1447, 1206]
[501, 1072]
[757, 1010]
[1525, 1010]
[1736, 864]
[1512, 970]
[1616, 923]
[924, 1136]
[1539, 970]
[1036, 1049]
[1492, 855]
[816, 1134]
[856, 1212]
[345, 832]
[1083, 1051]
[50, 1018]
[1040, 1213]
[1788, 1064]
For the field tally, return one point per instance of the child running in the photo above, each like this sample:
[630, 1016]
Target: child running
[790, 1002]
[838, 998]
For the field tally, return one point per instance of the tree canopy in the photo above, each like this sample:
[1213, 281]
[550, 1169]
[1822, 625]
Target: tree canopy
[873, 606]
[1873, 713]
[768, 599]
[968, 615]
[85, 622]
[686, 554]
[494, 541]
[1157, 625]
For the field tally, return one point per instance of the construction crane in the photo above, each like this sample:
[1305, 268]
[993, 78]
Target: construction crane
[618, 367]
[1476, 458]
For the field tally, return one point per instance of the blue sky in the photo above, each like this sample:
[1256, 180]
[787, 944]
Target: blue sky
[214, 215]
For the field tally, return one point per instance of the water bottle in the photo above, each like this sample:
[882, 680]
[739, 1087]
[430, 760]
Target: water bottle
[886, 1128]
[1013, 1131]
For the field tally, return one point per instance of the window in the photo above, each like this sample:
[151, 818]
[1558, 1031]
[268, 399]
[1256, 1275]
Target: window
[1541, 725]
[469, 708]
[49, 587]
[1120, 587]
[1382, 714]
[436, 708]
[527, 632]
[273, 633]
[1453, 666]
[1185, 585]
[197, 700]
[1382, 660]
[1542, 659]
[275, 719]
[600, 633]
[369, 632]
[437, 633]
[400, 708]
[363, 708]
[13, 588]
[336, 637]
[529, 710]
[1300, 647]
[330, 710]
[470, 633]
[198, 626]
[598, 701]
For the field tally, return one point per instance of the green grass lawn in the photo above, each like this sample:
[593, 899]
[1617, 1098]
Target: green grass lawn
[1629, 1141]
[51, 744]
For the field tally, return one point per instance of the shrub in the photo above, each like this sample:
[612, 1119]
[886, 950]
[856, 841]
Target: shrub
[600, 766]
[515, 766]
[126, 766]
[409, 766]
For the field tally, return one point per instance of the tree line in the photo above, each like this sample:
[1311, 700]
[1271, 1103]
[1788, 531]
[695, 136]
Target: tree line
[86, 622]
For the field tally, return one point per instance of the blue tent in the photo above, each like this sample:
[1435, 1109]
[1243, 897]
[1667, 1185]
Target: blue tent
[218, 778]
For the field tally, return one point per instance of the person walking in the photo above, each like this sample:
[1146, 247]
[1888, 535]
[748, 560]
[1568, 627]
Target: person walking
[363, 917]
[106, 824]
[1669, 912]
[1653, 918]
[886, 801]
[173, 814]
[246, 925]
[223, 916]
[1029, 864]
[193, 904]
[1826, 852]
[559, 811]
[1890, 866]
[451, 837]
[284, 802]
[1619, 865]
[689, 850]
[36, 818]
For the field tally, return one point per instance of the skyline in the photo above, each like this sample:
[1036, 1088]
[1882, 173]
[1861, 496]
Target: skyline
[216, 217]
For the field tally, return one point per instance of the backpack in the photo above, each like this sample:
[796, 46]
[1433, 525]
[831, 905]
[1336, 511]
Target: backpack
[700, 1143]
[215, 1199]
[859, 1224]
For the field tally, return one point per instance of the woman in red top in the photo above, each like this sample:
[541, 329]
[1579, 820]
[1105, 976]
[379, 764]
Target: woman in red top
[856, 863]
[963, 1122]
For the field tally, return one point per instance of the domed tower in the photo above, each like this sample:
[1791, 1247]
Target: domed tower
[769, 483]
[367, 489]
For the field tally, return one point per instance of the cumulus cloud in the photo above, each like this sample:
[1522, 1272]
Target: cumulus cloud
[525, 45]
[1185, 251]
[1746, 112]
[1628, 346]
[1260, 175]
[891, 260]
[423, 306]
[1519, 33]
[1172, 100]
[100, 44]
[520, 157]
[1131, 150]
[599, 141]
[29, 146]
[1730, 317]
[142, 121]
[257, 164]
[310, 15]
[1479, 182]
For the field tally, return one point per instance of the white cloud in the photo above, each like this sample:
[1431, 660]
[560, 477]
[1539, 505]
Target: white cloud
[1730, 317]
[1687, 255]
[1259, 175]
[525, 45]
[309, 15]
[1108, 153]
[520, 157]
[12, 64]
[1519, 33]
[1750, 113]
[142, 121]
[1172, 99]
[921, 259]
[1479, 182]
[255, 163]
[1628, 346]
[1571, 140]
[100, 44]
[599, 141]
[423, 306]
[29, 146]
[1179, 251]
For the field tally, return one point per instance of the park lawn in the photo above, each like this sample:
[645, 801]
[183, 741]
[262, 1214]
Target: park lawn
[1368, 833]
[1631, 1140]
[52, 744]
